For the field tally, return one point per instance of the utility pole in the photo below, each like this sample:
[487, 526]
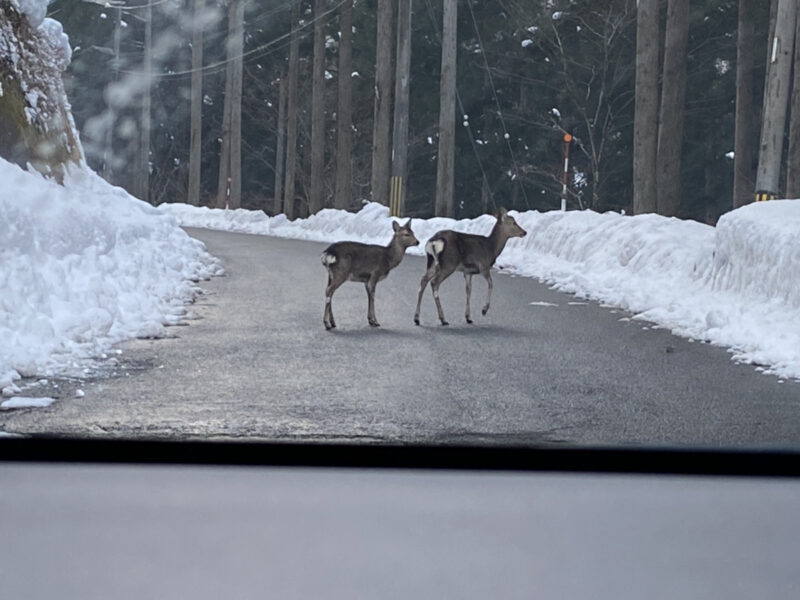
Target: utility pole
[397, 195]
[447, 113]
[776, 101]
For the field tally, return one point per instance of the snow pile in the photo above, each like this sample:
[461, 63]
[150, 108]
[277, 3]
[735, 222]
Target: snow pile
[84, 266]
[734, 285]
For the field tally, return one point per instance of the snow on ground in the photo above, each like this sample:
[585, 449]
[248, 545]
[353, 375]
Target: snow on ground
[83, 266]
[735, 285]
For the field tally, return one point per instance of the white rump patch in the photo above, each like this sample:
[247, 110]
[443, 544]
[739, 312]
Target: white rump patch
[327, 259]
[434, 248]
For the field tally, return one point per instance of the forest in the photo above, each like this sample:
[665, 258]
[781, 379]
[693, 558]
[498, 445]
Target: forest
[527, 73]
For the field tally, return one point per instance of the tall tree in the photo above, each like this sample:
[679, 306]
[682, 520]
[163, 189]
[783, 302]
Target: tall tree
[280, 151]
[776, 99]
[743, 168]
[793, 164]
[344, 116]
[401, 106]
[237, 50]
[291, 113]
[224, 178]
[447, 112]
[316, 198]
[143, 180]
[673, 94]
[196, 118]
[108, 154]
[381, 144]
[645, 127]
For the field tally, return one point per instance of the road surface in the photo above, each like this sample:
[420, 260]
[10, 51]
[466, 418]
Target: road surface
[540, 367]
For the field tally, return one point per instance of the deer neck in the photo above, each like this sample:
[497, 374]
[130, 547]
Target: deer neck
[497, 240]
[395, 251]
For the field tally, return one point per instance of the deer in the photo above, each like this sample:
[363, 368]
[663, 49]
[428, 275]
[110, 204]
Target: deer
[450, 251]
[366, 263]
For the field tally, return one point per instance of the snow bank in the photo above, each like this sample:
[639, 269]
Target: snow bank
[734, 285]
[83, 266]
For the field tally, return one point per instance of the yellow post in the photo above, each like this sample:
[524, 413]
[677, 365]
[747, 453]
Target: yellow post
[764, 196]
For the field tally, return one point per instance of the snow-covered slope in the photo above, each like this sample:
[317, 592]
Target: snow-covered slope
[83, 266]
[734, 285]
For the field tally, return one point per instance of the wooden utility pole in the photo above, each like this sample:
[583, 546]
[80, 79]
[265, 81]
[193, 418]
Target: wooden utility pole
[743, 171]
[344, 115]
[224, 179]
[316, 200]
[447, 113]
[381, 144]
[776, 100]
[645, 123]
[196, 115]
[397, 196]
[291, 113]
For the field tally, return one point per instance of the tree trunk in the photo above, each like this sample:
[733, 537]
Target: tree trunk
[224, 179]
[237, 50]
[793, 165]
[108, 154]
[280, 158]
[196, 118]
[344, 116]
[381, 147]
[744, 180]
[645, 124]
[447, 113]
[401, 104]
[776, 99]
[316, 200]
[143, 181]
[673, 94]
[291, 114]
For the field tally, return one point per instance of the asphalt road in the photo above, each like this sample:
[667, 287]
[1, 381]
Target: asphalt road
[540, 367]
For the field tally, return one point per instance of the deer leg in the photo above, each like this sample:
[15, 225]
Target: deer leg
[488, 276]
[332, 286]
[423, 282]
[468, 281]
[435, 283]
[370, 285]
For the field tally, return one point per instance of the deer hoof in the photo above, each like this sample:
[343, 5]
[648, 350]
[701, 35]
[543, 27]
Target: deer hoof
[484, 311]
[374, 324]
[416, 321]
[469, 321]
[445, 323]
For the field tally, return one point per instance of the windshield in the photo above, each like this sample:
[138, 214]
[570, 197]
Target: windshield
[371, 222]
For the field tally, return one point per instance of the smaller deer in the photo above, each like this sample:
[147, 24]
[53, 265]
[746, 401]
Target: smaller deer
[450, 251]
[367, 263]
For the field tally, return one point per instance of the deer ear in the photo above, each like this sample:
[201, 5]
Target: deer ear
[408, 224]
[502, 212]
[395, 226]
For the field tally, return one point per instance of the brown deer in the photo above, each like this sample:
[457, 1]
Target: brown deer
[450, 251]
[367, 263]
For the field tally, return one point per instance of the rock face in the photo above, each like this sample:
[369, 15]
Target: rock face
[36, 125]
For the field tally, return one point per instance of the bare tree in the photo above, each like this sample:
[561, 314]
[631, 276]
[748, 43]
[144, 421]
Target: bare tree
[381, 146]
[316, 200]
[196, 116]
[447, 113]
[645, 126]
[673, 94]
[237, 50]
[743, 169]
[291, 114]
[344, 116]
[401, 107]
[224, 178]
